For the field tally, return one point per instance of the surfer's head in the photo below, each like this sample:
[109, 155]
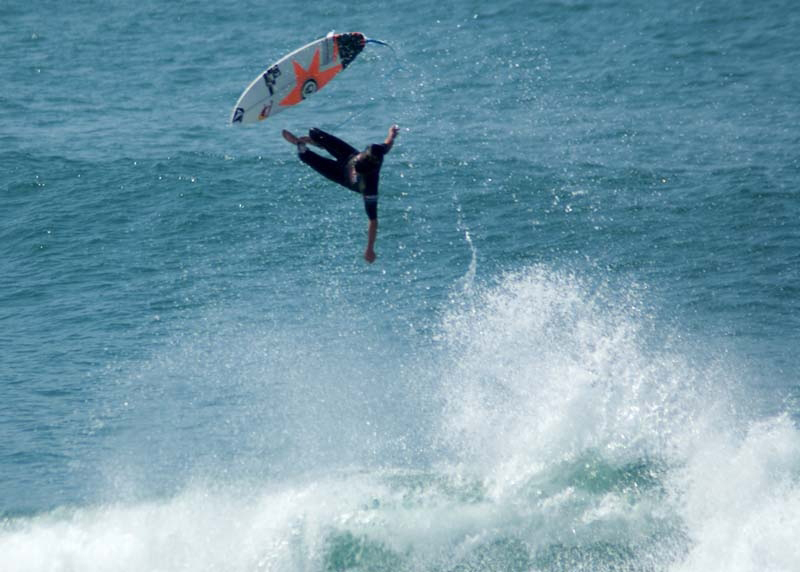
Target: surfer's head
[370, 159]
[376, 151]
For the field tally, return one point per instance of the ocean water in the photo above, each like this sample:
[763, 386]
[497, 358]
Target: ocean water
[577, 350]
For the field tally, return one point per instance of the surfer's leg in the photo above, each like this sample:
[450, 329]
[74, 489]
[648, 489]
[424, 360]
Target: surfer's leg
[332, 144]
[328, 168]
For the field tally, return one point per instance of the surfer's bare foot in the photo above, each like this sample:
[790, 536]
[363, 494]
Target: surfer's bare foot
[290, 137]
[294, 140]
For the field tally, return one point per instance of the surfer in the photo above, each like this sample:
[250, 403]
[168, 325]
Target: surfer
[357, 171]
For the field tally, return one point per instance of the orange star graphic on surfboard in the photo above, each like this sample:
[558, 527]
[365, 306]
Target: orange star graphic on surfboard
[312, 79]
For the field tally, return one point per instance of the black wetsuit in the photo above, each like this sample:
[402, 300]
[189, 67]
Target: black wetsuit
[338, 169]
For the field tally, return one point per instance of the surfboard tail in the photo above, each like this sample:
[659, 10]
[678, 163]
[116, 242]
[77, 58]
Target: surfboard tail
[350, 45]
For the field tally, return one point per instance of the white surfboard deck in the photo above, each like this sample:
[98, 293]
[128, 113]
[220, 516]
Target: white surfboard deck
[296, 76]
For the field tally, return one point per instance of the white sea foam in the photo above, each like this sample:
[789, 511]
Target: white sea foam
[574, 433]
[742, 500]
[547, 370]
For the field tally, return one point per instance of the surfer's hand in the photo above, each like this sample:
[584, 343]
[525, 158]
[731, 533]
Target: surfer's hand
[369, 255]
[393, 130]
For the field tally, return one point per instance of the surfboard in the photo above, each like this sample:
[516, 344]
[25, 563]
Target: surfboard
[297, 76]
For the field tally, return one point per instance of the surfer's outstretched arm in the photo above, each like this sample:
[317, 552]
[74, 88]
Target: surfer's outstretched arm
[393, 130]
[372, 233]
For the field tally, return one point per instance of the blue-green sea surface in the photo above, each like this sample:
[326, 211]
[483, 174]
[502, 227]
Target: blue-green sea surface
[577, 349]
